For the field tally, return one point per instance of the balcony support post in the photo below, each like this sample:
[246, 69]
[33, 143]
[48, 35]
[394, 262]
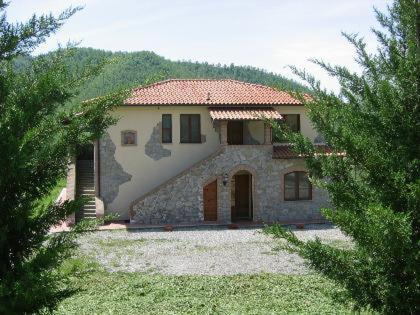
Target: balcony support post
[223, 132]
[267, 133]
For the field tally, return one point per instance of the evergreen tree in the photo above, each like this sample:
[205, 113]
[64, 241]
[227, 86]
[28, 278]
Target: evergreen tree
[375, 187]
[36, 140]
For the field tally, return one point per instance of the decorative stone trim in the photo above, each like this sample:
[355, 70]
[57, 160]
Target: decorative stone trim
[254, 183]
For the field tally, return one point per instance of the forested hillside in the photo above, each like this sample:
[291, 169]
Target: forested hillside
[138, 68]
[131, 69]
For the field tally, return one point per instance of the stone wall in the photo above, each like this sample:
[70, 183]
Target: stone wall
[180, 200]
[154, 147]
[112, 173]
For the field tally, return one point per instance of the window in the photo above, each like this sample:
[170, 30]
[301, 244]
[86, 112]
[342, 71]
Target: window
[166, 128]
[190, 128]
[297, 186]
[292, 121]
[128, 137]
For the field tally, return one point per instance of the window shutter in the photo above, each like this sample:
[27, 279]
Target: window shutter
[185, 128]
[195, 129]
[304, 186]
[166, 128]
[290, 186]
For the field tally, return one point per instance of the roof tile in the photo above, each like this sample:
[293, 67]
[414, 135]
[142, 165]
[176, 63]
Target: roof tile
[244, 114]
[286, 152]
[208, 92]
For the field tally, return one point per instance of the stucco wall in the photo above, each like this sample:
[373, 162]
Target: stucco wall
[306, 127]
[150, 163]
[146, 168]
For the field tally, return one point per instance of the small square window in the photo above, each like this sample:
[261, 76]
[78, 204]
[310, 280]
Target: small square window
[128, 137]
[166, 128]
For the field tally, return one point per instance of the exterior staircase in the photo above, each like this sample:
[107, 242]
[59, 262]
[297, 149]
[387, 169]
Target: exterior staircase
[179, 199]
[85, 187]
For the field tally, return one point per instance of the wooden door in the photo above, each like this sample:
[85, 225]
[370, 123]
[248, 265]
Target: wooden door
[210, 201]
[242, 196]
[235, 132]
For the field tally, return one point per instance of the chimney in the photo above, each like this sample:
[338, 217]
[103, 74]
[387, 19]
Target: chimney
[208, 96]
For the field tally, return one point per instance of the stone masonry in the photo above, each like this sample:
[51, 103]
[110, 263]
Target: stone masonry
[180, 200]
[112, 173]
[154, 147]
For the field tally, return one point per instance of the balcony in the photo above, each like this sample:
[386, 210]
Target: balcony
[244, 126]
[242, 132]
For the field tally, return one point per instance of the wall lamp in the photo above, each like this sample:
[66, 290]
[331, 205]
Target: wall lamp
[225, 179]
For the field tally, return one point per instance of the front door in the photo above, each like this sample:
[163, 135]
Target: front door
[235, 132]
[242, 197]
[210, 201]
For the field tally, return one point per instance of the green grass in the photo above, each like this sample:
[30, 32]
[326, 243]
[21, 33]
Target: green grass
[52, 196]
[101, 292]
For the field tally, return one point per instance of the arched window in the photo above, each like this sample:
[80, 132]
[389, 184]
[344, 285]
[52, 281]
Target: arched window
[297, 186]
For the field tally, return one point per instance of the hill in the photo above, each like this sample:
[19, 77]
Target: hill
[132, 69]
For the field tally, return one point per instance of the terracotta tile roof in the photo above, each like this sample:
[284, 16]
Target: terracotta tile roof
[244, 114]
[208, 92]
[286, 152]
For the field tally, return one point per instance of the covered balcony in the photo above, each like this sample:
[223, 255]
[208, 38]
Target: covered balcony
[244, 126]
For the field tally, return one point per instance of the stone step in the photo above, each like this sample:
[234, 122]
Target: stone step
[89, 213]
[85, 191]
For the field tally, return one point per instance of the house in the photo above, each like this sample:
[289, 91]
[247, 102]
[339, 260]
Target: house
[191, 151]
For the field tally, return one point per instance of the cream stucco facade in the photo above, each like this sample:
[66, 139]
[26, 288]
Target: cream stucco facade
[144, 171]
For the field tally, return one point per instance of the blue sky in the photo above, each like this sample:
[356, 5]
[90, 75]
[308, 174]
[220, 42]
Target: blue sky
[268, 34]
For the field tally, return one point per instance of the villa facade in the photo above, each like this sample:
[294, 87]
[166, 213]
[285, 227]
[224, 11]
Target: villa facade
[194, 151]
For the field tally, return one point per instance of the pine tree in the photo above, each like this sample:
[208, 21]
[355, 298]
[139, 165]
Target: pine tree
[37, 137]
[375, 188]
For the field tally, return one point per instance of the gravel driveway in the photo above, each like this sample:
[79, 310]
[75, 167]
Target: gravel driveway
[210, 251]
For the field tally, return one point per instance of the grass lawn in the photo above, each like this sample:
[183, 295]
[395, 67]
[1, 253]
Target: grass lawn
[101, 292]
[53, 195]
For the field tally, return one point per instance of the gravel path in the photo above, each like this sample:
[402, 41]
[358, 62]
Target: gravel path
[212, 251]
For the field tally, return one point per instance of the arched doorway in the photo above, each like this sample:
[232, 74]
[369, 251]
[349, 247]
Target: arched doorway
[241, 196]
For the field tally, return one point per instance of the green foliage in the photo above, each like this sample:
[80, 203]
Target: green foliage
[128, 70]
[36, 139]
[51, 196]
[100, 292]
[375, 187]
